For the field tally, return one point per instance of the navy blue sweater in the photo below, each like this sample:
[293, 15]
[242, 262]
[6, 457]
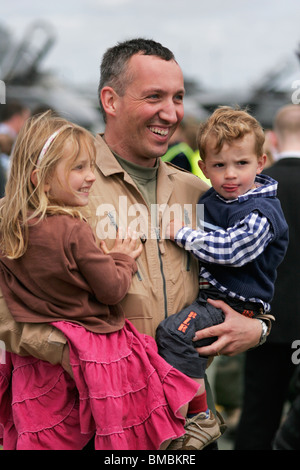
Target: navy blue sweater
[255, 279]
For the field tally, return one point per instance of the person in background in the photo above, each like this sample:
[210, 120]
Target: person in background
[264, 365]
[6, 145]
[288, 434]
[12, 117]
[182, 150]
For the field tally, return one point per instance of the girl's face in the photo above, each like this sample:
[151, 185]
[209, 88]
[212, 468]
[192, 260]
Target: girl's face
[71, 186]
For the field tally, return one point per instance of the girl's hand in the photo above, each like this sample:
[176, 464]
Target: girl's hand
[126, 245]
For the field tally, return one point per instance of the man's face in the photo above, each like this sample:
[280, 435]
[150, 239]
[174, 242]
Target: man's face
[150, 110]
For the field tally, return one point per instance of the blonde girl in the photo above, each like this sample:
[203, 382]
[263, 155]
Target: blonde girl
[124, 395]
[27, 194]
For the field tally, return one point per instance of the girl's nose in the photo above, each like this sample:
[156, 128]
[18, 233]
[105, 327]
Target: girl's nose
[91, 176]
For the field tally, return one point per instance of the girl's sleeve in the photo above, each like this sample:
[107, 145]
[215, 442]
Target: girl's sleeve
[109, 276]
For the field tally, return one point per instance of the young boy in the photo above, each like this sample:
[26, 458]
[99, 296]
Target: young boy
[242, 240]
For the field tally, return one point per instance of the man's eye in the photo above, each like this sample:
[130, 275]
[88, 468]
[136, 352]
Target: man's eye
[179, 98]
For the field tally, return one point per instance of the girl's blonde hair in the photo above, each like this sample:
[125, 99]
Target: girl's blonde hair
[24, 200]
[226, 125]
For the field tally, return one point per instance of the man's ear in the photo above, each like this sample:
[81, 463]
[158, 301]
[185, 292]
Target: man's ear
[109, 100]
[34, 179]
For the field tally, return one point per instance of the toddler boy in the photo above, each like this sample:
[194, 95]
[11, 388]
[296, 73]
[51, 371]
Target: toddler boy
[240, 243]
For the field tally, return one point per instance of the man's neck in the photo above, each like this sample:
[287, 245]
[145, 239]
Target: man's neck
[117, 149]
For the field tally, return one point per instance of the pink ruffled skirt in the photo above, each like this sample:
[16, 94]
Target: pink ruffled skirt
[124, 394]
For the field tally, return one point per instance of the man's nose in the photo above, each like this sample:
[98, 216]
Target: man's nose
[170, 112]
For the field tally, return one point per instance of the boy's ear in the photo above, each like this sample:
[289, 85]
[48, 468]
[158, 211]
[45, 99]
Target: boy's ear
[34, 180]
[202, 167]
[262, 160]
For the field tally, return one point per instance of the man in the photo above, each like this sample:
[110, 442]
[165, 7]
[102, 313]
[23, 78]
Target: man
[12, 117]
[141, 96]
[269, 369]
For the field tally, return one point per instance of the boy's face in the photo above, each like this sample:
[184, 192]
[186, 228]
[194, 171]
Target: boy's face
[232, 171]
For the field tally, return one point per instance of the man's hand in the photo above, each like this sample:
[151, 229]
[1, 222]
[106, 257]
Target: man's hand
[235, 335]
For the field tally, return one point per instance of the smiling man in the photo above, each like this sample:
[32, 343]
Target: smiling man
[141, 97]
[154, 103]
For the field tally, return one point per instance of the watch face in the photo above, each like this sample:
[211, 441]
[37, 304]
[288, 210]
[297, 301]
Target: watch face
[264, 332]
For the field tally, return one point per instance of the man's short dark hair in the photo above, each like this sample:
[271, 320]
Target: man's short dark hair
[113, 66]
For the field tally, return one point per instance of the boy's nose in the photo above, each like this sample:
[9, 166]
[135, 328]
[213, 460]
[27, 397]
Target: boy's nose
[230, 173]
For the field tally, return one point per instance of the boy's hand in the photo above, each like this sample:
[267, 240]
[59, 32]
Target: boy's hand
[126, 245]
[172, 228]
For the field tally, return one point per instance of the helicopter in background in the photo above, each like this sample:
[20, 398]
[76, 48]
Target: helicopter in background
[20, 71]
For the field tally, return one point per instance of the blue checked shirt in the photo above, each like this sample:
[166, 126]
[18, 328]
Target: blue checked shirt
[235, 246]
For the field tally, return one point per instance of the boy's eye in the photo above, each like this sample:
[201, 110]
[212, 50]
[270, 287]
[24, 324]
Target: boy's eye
[243, 162]
[218, 165]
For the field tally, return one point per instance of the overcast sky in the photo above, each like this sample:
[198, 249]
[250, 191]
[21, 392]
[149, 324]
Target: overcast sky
[222, 44]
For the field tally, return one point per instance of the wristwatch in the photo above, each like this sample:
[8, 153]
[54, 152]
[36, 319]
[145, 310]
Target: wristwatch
[264, 332]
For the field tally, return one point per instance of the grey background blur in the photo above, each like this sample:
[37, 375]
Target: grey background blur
[221, 44]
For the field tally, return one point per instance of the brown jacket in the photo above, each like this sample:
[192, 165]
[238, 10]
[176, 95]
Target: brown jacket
[167, 276]
[65, 276]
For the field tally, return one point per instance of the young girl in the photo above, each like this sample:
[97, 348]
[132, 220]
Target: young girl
[51, 270]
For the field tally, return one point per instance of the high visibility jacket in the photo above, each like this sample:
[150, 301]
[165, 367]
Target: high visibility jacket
[192, 156]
